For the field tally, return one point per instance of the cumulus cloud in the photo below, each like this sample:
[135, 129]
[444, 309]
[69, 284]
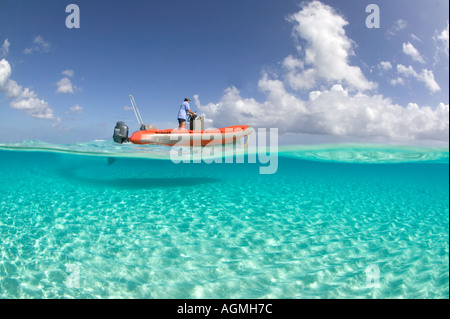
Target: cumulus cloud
[406, 71]
[24, 99]
[410, 50]
[333, 112]
[426, 76]
[38, 45]
[326, 52]
[339, 102]
[65, 84]
[385, 65]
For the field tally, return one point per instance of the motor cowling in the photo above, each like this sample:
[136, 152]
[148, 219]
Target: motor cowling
[120, 133]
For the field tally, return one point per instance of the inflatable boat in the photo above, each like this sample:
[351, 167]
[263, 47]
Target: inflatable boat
[231, 134]
[196, 135]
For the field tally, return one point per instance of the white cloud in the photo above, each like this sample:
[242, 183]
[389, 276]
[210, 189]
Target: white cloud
[65, 84]
[34, 106]
[330, 112]
[4, 49]
[442, 41]
[398, 26]
[385, 65]
[68, 73]
[340, 105]
[38, 45]
[426, 76]
[291, 63]
[406, 71]
[76, 109]
[410, 50]
[326, 52]
[5, 72]
[12, 89]
[397, 81]
[127, 108]
[23, 98]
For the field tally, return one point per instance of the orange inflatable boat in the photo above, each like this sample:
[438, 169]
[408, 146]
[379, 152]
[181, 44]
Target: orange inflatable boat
[231, 134]
[195, 136]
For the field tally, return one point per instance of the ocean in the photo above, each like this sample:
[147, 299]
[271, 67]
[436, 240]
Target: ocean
[103, 220]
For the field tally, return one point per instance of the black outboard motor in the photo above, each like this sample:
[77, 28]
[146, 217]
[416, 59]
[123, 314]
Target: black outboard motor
[120, 133]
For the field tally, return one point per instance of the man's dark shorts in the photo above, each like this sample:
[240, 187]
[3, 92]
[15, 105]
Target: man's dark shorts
[181, 121]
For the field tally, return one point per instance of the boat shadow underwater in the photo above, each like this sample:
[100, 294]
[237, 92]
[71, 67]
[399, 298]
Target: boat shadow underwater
[133, 183]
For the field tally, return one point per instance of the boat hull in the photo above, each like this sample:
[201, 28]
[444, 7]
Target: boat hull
[171, 137]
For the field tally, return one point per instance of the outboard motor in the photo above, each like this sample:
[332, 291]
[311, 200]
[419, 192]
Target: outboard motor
[120, 133]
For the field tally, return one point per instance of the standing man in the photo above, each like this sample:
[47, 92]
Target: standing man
[182, 113]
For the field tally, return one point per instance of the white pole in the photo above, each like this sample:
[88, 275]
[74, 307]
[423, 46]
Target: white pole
[136, 111]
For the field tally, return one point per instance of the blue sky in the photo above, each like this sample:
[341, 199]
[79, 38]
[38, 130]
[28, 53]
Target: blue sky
[313, 69]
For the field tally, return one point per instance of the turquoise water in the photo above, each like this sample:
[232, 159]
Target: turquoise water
[101, 220]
